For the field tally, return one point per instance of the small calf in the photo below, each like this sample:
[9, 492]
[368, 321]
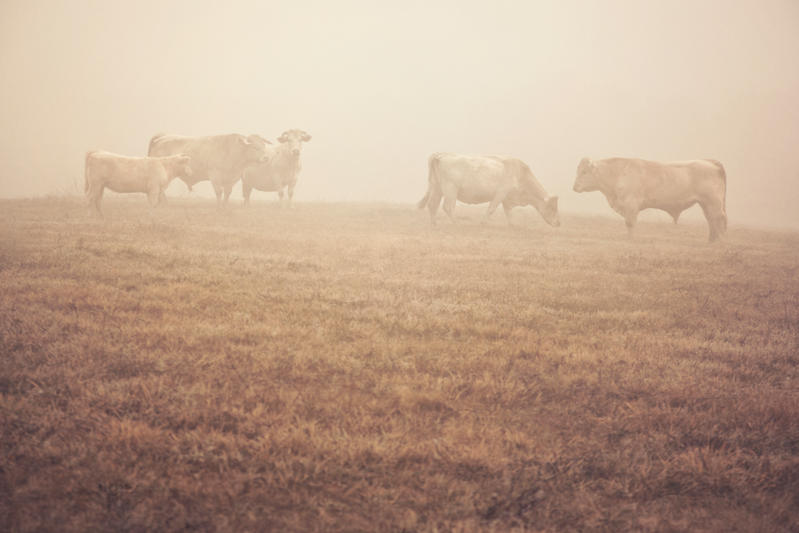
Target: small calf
[150, 175]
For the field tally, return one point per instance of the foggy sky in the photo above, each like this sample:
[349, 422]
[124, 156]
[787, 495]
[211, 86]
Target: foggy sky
[382, 85]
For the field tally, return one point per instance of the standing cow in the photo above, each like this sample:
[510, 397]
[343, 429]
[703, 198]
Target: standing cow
[222, 159]
[485, 179]
[631, 185]
[280, 172]
[150, 175]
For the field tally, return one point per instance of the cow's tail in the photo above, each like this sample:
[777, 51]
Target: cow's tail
[421, 204]
[432, 180]
[153, 139]
[723, 175]
[86, 172]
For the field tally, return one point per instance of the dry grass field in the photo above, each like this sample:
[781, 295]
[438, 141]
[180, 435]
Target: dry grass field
[350, 368]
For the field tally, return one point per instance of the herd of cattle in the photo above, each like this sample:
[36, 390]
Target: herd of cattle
[630, 185]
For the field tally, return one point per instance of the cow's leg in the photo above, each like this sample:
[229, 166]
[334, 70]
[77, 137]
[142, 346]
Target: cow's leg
[716, 220]
[280, 194]
[218, 190]
[449, 206]
[507, 209]
[162, 196]
[432, 204]
[492, 206]
[153, 196]
[90, 194]
[228, 189]
[722, 220]
[450, 195]
[290, 194]
[246, 190]
[630, 217]
[710, 224]
[95, 197]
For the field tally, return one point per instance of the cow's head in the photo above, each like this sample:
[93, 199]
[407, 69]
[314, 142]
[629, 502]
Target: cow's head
[547, 208]
[255, 148]
[293, 140]
[550, 211]
[181, 166]
[586, 176]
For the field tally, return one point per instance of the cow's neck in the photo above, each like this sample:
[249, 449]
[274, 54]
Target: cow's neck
[538, 196]
[606, 183]
[539, 202]
[285, 159]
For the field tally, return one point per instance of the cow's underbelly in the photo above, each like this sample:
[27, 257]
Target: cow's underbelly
[217, 174]
[117, 185]
[476, 194]
[670, 203]
[200, 172]
[193, 179]
[267, 184]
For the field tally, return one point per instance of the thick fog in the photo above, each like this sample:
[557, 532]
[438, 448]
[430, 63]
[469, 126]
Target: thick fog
[382, 85]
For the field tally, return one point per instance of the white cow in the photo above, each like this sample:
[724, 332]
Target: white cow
[221, 159]
[280, 171]
[631, 185]
[150, 175]
[489, 178]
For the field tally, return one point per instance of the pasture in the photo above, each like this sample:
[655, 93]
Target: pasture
[350, 368]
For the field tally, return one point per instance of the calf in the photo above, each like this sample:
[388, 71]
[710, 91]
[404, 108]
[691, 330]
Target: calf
[150, 175]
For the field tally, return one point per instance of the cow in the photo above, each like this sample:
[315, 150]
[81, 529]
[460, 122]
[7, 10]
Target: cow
[221, 159]
[632, 185]
[474, 179]
[150, 175]
[280, 172]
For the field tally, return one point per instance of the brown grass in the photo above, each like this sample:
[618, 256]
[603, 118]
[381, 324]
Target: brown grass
[349, 368]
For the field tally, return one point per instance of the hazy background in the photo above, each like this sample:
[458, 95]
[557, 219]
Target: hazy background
[381, 87]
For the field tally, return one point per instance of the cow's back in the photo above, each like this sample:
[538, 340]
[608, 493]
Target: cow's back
[166, 145]
[476, 178]
[469, 169]
[695, 180]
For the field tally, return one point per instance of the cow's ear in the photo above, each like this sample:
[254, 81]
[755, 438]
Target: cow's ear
[306, 137]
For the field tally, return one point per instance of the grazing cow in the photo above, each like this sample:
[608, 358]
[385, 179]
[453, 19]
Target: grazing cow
[150, 175]
[221, 159]
[479, 179]
[631, 185]
[280, 171]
